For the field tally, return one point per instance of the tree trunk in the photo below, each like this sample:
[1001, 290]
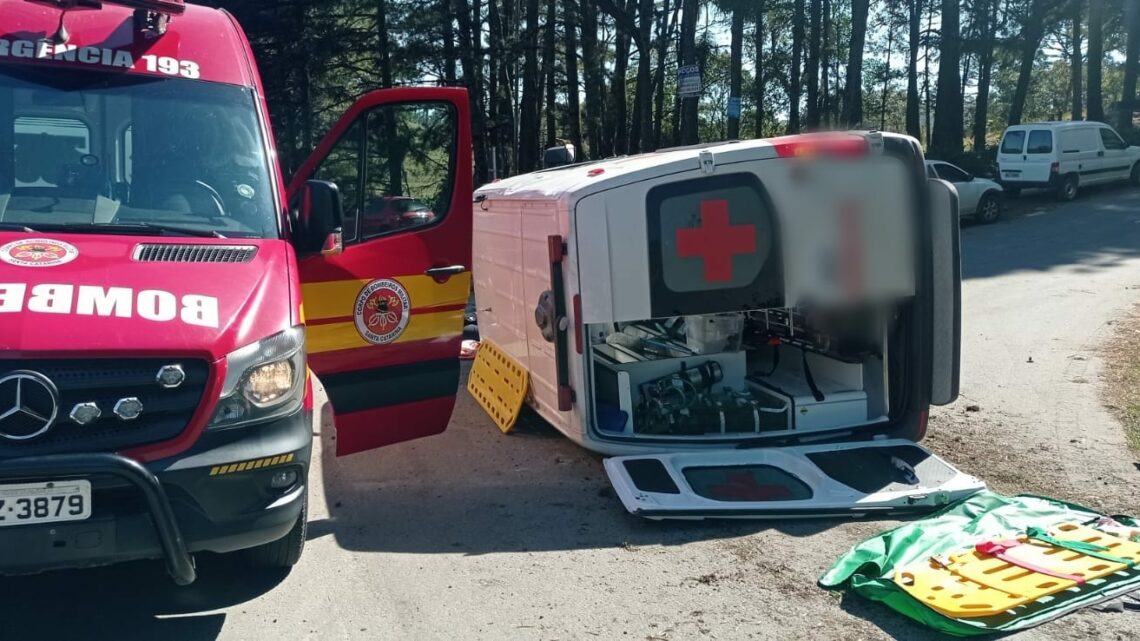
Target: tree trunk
[913, 128]
[985, 70]
[573, 84]
[478, 96]
[384, 61]
[825, 65]
[592, 60]
[501, 111]
[448, 42]
[529, 121]
[736, 53]
[643, 94]
[1131, 66]
[812, 68]
[1077, 61]
[926, 72]
[853, 103]
[887, 71]
[664, 30]
[758, 85]
[616, 117]
[1032, 32]
[947, 136]
[797, 53]
[689, 57]
[552, 133]
[1096, 60]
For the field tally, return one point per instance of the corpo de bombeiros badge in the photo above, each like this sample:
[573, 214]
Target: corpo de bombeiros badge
[38, 252]
[382, 311]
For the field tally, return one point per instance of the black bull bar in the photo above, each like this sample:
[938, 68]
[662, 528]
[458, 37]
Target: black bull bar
[179, 565]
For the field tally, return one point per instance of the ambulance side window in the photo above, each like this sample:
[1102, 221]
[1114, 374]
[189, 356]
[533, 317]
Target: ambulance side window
[408, 168]
[342, 166]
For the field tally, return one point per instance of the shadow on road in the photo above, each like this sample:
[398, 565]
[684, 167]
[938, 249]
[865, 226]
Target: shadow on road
[128, 601]
[892, 623]
[1100, 229]
[475, 491]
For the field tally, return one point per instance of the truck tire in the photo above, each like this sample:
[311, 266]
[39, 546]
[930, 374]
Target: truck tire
[1069, 188]
[1136, 174]
[283, 553]
[989, 208]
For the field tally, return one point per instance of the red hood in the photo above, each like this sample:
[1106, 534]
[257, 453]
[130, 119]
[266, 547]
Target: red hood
[101, 300]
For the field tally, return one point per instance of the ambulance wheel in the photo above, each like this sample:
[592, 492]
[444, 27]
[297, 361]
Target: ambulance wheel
[989, 209]
[283, 553]
[1136, 174]
[1069, 188]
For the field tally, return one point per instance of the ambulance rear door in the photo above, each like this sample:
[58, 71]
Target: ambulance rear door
[384, 309]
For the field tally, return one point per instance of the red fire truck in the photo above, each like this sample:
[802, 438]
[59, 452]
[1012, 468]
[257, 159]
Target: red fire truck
[155, 400]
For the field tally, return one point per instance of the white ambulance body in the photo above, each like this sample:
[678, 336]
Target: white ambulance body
[751, 329]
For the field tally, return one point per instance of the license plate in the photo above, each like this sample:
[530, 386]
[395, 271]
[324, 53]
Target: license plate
[1011, 174]
[30, 503]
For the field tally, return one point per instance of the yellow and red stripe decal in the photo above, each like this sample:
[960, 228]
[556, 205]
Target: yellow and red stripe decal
[255, 464]
[437, 311]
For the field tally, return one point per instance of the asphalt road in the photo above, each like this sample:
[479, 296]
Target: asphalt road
[472, 534]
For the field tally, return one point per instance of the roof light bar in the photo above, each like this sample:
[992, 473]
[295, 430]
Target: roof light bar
[843, 145]
[165, 7]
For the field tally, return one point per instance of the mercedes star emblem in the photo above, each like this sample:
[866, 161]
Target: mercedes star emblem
[29, 404]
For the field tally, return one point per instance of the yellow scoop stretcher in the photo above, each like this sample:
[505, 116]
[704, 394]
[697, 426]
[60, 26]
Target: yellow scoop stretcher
[997, 576]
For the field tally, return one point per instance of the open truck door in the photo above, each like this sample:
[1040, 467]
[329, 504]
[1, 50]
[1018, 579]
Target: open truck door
[383, 205]
[845, 475]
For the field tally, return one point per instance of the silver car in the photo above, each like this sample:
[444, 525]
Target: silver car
[977, 197]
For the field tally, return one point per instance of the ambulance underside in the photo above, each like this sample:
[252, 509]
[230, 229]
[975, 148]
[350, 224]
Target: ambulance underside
[750, 335]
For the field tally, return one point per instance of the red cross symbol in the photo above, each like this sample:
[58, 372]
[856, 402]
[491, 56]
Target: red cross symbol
[716, 241]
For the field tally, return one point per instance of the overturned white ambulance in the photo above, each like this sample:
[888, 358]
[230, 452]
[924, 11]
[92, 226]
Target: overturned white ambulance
[750, 329]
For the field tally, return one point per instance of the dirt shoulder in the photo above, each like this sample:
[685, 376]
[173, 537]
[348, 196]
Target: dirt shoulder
[1122, 375]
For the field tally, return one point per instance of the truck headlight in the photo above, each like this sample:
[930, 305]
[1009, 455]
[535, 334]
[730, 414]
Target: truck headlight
[264, 380]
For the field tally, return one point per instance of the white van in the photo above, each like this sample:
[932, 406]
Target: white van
[1065, 156]
[749, 329]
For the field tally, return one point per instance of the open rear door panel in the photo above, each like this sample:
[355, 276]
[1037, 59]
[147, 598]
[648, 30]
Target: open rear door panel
[845, 479]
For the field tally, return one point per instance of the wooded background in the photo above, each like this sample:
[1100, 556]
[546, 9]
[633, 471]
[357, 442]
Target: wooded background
[602, 74]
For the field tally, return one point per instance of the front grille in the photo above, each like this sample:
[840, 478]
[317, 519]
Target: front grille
[183, 253]
[166, 412]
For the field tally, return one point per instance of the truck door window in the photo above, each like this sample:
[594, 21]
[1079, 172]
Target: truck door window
[1040, 142]
[408, 167]
[1111, 140]
[1014, 142]
[342, 166]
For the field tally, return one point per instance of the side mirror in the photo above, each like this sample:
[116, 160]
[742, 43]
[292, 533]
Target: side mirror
[319, 223]
[969, 178]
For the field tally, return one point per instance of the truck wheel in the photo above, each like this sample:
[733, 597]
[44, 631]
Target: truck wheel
[1136, 174]
[284, 552]
[1068, 189]
[989, 209]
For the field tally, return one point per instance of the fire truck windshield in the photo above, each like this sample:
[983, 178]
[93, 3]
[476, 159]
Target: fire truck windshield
[104, 152]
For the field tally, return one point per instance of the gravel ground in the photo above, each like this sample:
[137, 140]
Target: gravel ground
[475, 535]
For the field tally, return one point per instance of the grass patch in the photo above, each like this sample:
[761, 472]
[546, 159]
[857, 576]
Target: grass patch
[1123, 376]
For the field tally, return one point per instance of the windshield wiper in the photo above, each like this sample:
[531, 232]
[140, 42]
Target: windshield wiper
[185, 231]
[17, 227]
[124, 228]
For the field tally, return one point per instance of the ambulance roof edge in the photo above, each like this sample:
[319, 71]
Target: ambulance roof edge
[573, 182]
